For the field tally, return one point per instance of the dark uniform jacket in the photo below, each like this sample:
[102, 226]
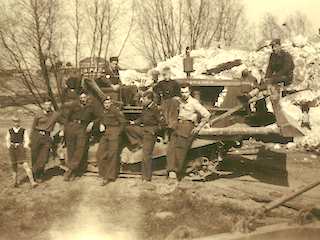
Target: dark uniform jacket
[75, 112]
[112, 77]
[280, 68]
[151, 118]
[114, 121]
[166, 89]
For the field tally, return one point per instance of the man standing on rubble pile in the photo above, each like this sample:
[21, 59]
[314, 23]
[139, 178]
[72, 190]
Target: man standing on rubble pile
[112, 122]
[78, 116]
[280, 69]
[186, 128]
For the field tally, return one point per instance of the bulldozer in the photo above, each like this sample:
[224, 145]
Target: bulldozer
[230, 123]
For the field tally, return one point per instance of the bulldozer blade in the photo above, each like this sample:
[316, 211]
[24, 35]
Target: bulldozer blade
[288, 126]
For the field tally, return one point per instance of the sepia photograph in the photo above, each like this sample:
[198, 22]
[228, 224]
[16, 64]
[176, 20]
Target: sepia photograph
[159, 120]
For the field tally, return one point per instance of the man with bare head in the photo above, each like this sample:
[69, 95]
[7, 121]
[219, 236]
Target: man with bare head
[113, 78]
[78, 116]
[17, 144]
[166, 88]
[166, 92]
[187, 127]
[42, 126]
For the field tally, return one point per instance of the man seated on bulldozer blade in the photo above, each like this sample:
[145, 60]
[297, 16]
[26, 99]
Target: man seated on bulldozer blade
[279, 76]
[280, 68]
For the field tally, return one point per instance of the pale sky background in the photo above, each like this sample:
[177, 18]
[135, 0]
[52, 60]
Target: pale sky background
[282, 8]
[255, 9]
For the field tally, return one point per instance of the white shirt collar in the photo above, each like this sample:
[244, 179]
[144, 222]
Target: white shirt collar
[16, 129]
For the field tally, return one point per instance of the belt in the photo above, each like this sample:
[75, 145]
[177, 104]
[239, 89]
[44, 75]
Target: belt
[15, 144]
[77, 121]
[185, 121]
[43, 133]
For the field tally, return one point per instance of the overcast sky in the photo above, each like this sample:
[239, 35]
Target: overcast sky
[255, 9]
[282, 8]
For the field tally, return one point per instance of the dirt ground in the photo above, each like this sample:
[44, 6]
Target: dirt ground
[128, 209]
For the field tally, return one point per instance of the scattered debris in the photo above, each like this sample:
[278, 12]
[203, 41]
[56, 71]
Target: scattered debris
[202, 168]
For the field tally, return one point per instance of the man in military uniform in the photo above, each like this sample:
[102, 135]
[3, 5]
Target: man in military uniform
[186, 128]
[166, 91]
[72, 89]
[112, 122]
[167, 88]
[281, 65]
[42, 126]
[145, 132]
[113, 78]
[78, 116]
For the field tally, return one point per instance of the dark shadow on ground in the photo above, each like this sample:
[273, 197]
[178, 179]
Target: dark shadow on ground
[267, 166]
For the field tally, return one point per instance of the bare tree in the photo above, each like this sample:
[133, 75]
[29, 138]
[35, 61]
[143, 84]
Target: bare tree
[165, 26]
[76, 22]
[32, 43]
[270, 28]
[297, 23]
[103, 16]
[131, 24]
[160, 28]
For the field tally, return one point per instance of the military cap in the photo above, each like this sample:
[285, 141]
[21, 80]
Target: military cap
[166, 68]
[114, 59]
[275, 41]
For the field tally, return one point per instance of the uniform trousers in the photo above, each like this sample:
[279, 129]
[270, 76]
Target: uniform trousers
[77, 147]
[179, 145]
[108, 154]
[40, 147]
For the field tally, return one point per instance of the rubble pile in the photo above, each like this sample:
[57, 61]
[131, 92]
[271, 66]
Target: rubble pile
[304, 52]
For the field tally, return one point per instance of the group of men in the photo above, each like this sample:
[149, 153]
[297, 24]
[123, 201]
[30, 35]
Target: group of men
[80, 116]
[168, 107]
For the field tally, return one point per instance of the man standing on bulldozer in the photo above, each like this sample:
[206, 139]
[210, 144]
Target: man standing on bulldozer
[166, 92]
[113, 76]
